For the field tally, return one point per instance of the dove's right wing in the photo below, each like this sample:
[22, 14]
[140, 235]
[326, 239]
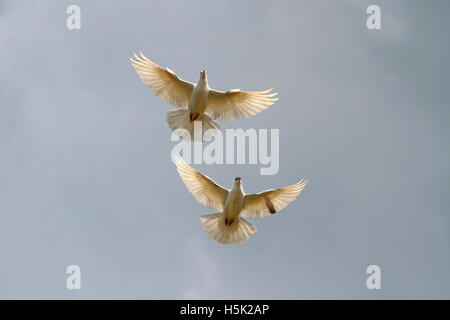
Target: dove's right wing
[234, 104]
[268, 202]
[202, 187]
[164, 82]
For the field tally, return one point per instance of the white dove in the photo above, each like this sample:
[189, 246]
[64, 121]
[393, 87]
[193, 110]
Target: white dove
[227, 227]
[198, 102]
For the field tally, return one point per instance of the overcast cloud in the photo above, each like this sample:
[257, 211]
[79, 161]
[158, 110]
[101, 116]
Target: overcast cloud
[85, 170]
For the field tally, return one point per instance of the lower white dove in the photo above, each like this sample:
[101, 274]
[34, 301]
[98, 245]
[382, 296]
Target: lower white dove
[198, 102]
[227, 227]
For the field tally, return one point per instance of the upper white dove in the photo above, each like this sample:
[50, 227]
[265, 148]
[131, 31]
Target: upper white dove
[198, 102]
[227, 227]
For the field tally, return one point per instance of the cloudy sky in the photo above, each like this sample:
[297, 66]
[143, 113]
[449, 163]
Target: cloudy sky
[85, 170]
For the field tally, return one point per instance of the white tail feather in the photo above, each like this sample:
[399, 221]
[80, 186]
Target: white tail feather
[239, 231]
[179, 122]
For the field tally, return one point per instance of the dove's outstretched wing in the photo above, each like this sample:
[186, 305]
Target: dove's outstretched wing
[268, 202]
[202, 187]
[234, 103]
[164, 82]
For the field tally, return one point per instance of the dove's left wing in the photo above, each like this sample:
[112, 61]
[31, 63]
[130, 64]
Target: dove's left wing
[164, 82]
[268, 202]
[234, 103]
[202, 187]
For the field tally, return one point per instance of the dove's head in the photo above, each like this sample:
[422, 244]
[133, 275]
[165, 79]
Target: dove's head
[203, 74]
[237, 180]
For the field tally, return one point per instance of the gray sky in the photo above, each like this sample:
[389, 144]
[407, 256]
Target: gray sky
[85, 170]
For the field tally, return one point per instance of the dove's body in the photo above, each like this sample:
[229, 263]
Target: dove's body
[198, 100]
[233, 204]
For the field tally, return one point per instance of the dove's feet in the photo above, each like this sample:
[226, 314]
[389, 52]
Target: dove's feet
[193, 116]
[229, 222]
